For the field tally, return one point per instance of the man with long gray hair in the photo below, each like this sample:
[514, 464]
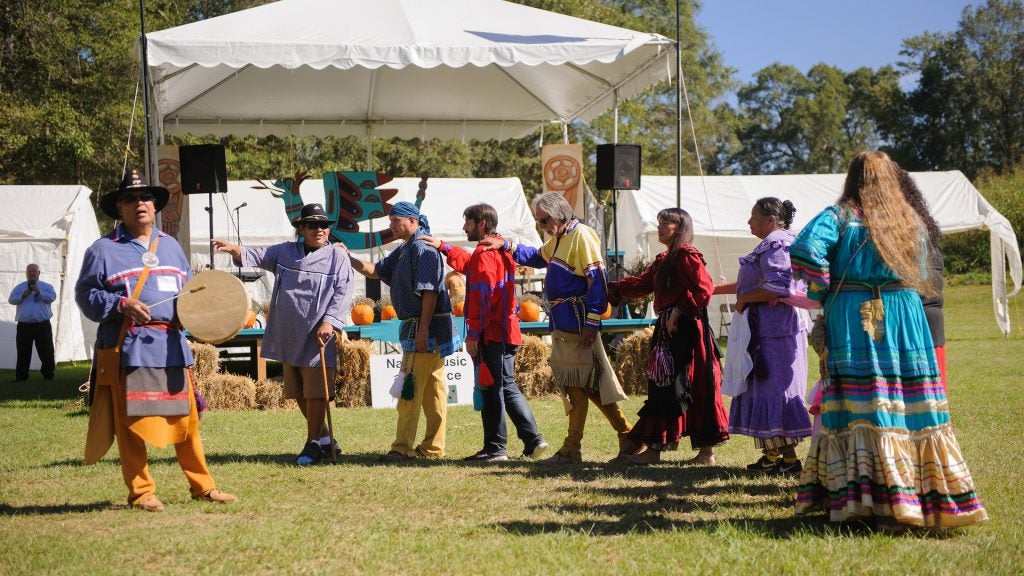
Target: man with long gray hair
[575, 295]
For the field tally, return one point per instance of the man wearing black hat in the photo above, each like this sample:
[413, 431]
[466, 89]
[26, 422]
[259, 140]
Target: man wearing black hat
[142, 387]
[312, 296]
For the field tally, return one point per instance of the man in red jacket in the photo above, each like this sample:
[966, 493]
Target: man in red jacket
[493, 335]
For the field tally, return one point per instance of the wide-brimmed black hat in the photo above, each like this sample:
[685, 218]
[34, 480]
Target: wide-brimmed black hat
[133, 182]
[312, 213]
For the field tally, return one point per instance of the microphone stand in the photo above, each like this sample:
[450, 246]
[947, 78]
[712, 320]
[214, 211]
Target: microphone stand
[238, 232]
[209, 210]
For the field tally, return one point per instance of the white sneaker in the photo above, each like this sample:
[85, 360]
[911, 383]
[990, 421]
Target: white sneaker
[537, 451]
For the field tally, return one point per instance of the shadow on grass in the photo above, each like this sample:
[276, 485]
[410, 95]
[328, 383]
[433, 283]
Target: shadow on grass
[29, 393]
[676, 497]
[8, 510]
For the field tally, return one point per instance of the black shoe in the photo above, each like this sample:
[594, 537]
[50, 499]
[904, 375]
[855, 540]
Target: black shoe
[311, 454]
[482, 456]
[793, 469]
[764, 464]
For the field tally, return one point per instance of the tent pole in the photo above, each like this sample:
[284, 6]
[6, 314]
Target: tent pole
[679, 113]
[617, 270]
[615, 123]
[151, 164]
[369, 147]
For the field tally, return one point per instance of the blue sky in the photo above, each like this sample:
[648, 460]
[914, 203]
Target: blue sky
[752, 34]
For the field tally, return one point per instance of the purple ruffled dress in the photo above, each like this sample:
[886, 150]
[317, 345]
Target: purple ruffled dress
[773, 405]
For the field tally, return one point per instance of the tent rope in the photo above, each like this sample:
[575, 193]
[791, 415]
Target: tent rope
[131, 125]
[700, 171]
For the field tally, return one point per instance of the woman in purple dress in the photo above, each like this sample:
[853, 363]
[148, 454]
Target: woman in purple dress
[771, 409]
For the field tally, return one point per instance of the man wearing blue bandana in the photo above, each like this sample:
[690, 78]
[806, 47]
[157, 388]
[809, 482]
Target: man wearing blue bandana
[415, 273]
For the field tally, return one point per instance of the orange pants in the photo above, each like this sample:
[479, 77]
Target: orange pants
[135, 462]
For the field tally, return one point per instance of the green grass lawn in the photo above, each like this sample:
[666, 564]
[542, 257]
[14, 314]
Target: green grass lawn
[59, 516]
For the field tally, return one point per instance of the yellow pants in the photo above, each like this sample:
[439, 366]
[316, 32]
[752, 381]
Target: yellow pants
[431, 394]
[580, 399]
[135, 462]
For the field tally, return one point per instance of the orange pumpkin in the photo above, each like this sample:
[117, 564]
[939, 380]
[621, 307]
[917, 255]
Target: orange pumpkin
[458, 308]
[362, 314]
[607, 313]
[388, 313]
[529, 311]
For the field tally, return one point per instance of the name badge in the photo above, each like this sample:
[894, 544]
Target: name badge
[167, 284]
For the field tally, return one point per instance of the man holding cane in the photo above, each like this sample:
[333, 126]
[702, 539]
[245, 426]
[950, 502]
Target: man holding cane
[312, 296]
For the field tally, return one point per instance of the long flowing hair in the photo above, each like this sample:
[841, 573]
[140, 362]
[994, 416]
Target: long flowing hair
[873, 184]
[916, 200]
[684, 235]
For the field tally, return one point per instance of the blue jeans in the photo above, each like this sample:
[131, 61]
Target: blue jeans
[504, 395]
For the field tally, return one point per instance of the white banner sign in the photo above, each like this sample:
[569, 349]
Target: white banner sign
[458, 375]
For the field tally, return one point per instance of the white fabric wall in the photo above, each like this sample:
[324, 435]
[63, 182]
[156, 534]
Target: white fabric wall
[51, 226]
[722, 235]
[263, 221]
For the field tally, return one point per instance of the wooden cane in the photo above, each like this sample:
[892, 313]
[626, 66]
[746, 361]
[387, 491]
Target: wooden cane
[327, 405]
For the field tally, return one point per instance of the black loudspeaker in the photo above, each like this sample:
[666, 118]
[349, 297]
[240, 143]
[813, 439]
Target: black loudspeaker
[618, 167]
[203, 169]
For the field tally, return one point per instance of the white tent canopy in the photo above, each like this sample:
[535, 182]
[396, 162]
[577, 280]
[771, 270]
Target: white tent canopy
[722, 234]
[264, 222]
[395, 68]
[51, 226]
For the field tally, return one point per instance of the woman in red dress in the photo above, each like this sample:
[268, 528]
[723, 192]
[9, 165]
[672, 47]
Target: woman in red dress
[684, 371]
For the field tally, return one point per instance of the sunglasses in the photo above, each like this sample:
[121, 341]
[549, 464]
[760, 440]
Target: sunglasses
[317, 225]
[136, 198]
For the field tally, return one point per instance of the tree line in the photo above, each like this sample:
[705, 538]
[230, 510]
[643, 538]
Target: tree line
[68, 79]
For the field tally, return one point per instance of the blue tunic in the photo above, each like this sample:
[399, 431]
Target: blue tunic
[409, 270]
[892, 382]
[308, 290]
[574, 284]
[110, 269]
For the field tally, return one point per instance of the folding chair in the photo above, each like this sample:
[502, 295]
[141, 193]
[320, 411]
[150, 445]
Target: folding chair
[726, 310]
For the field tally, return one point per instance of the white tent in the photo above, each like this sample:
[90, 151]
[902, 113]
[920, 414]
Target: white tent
[263, 220]
[395, 68]
[722, 234]
[51, 226]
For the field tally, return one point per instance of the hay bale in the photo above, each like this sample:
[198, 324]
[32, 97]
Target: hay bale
[533, 373]
[207, 361]
[270, 395]
[229, 392]
[533, 353]
[631, 362]
[537, 383]
[353, 381]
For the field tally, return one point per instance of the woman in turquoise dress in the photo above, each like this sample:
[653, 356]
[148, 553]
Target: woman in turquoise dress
[886, 449]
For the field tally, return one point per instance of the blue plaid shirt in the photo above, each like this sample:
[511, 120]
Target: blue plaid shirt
[409, 270]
